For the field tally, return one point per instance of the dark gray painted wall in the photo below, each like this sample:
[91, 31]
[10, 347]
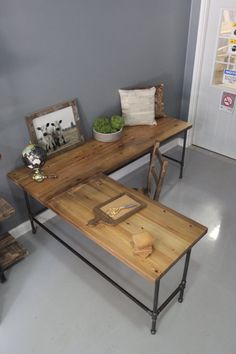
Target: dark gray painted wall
[190, 54]
[53, 50]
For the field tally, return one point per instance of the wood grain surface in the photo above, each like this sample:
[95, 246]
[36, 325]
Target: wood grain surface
[10, 251]
[174, 233]
[93, 157]
[6, 210]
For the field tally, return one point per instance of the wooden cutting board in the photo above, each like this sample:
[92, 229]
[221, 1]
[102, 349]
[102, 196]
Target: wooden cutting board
[124, 205]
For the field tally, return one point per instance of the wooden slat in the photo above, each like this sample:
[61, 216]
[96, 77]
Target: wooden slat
[10, 251]
[6, 210]
[87, 160]
[6, 240]
[174, 233]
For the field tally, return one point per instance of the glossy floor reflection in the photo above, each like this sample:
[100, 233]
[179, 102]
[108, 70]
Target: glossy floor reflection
[52, 303]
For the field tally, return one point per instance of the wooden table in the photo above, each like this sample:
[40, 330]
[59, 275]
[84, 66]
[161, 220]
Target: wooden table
[94, 157]
[174, 234]
[74, 194]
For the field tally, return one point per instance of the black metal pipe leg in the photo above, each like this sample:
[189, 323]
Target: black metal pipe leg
[2, 276]
[155, 305]
[33, 227]
[183, 155]
[183, 282]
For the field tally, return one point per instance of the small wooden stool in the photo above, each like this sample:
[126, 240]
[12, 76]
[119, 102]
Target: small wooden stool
[10, 251]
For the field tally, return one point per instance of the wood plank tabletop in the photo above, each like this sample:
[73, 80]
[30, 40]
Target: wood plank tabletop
[174, 233]
[93, 157]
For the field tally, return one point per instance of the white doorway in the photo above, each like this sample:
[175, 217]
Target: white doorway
[213, 95]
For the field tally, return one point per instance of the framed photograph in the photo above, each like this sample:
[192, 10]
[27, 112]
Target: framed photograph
[56, 128]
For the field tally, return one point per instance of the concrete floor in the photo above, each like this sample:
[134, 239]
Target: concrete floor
[52, 303]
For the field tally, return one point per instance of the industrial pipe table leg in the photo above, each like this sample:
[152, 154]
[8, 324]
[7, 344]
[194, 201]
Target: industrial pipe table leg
[2, 276]
[33, 227]
[183, 155]
[183, 282]
[155, 305]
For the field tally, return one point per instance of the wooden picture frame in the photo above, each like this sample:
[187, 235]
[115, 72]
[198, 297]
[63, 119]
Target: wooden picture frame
[56, 128]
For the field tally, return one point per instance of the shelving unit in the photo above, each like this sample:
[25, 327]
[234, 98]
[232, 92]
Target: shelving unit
[10, 250]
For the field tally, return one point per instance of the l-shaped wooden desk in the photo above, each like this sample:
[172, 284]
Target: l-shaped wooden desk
[81, 185]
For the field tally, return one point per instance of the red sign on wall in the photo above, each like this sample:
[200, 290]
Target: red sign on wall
[227, 101]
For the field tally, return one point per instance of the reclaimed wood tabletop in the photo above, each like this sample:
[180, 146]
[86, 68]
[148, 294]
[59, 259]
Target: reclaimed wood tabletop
[93, 157]
[174, 233]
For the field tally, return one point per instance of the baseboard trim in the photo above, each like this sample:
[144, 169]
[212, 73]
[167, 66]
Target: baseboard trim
[26, 226]
[142, 161]
[49, 214]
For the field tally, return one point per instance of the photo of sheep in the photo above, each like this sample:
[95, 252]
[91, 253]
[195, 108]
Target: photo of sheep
[56, 128]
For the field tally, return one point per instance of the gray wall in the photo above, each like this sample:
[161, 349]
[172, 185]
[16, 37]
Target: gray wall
[53, 50]
[190, 54]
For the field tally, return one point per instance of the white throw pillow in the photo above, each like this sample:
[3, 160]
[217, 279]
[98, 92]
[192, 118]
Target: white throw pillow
[138, 106]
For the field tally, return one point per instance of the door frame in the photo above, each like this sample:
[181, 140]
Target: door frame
[197, 69]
